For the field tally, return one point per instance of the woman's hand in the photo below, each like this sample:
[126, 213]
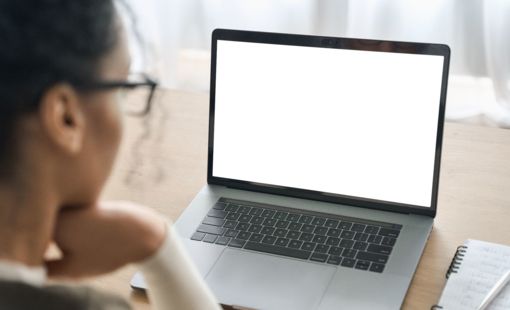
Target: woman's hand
[100, 239]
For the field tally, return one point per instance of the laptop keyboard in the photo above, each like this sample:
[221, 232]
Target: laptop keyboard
[307, 235]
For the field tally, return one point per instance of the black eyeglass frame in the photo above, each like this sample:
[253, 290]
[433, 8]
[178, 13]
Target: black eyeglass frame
[105, 85]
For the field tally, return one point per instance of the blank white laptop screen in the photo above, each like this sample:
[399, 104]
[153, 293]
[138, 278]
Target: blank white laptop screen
[348, 122]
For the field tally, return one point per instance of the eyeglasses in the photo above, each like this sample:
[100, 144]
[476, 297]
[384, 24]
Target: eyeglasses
[134, 105]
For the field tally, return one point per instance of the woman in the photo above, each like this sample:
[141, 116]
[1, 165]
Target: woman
[62, 64]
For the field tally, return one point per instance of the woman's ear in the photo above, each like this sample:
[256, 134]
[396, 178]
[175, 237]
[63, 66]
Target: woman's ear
[63, 118]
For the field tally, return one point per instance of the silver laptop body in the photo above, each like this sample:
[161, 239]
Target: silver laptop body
[334, 130]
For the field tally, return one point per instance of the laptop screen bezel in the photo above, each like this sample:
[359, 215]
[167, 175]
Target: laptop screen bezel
[338, 43]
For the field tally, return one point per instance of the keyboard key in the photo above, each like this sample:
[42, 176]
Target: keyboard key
[231, 207]
[223, 240]
[219, 206]
[359, 245]
[362, 265]
[244, 209]
[360, 237]
[255, 229]
[213, 221]
[295, 244]
[371, 230]
[293, 217]
[374, 239]
[358, 227]
[217, 213]
[242, 226]
[348, 262]
[331, 223]
[376, 258]
[396, 226]
[319, 239]
[295, 226]
[255, 211]
[349, 253]
[230, 224]
[318, 221]
[244, 218]
[261, 247]
[282, 224]
[269, 222]
[293, 234]
[215, 230]
[282, 242]
[305, 219]
[269, 239]
[332, 241]
[347, 234]
[318, 257]
[333, 232]
[198, 236]
[308, 246]
[335, 251]
[388, 241]
[320, 231]
[345, 225]
[231, 233]
[307, 228]
[347, 244]
[379, 249]
[334, 260]
[268, 213]
[377, 267]
[389, 232]
[280, 215]
[256, 237]
[257, 220]
[210, 238]
[267, 230]
[233, 216]
[321, 248]
[306, 237]
[236, 243]
[280, 233]
[243, 235]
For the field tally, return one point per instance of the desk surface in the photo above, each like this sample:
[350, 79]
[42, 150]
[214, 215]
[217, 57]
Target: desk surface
[166, 170]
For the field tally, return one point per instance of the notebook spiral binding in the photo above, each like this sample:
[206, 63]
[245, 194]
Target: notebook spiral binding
[456, 260]
[454, 267]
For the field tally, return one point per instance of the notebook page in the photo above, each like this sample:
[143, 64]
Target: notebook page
[482, 266]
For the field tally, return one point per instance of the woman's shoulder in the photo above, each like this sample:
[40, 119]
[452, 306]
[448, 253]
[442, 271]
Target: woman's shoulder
[18, 295]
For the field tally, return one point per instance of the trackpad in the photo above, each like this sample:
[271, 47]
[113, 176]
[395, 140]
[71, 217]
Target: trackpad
[262, 281]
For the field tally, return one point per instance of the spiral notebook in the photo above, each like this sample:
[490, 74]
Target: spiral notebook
[475, 268]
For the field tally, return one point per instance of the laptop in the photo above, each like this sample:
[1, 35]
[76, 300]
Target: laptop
[323, 170]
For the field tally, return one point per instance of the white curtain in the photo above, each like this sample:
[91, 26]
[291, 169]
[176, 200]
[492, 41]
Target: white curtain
[497, 57]
[477, 31]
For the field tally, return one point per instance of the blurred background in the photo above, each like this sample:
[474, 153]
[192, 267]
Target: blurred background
[176, 39]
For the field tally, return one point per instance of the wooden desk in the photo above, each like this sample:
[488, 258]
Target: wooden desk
[474, 196]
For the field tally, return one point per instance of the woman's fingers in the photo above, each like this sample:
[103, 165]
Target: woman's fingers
[99, 240]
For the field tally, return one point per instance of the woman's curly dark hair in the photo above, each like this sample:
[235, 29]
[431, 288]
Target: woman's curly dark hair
[44, 42]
